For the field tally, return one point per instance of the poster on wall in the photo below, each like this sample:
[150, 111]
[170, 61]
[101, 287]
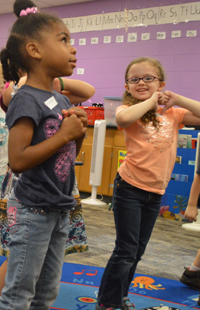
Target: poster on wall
[171, 14]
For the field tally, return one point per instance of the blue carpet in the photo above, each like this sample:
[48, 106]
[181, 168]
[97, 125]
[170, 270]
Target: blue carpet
[79, 289]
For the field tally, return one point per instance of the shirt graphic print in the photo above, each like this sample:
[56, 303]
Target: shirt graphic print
[66, 154]
[163, 136]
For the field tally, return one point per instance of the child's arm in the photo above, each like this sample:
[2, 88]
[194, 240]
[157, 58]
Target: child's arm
[77, 91]
[191, 210]
[128, 116]
[24, 156]
[7, 92]
[192, 116]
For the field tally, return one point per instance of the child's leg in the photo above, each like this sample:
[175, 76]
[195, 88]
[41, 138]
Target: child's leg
[191, 275]
[127, 212]
[149, 215]
[47, 287]
[133, 232]
[196, 261]
[3, 270]
[30, 237]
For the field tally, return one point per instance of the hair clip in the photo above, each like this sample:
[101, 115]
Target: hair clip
[32, 10]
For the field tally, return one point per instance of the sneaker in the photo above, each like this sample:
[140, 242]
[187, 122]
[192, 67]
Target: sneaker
[191, 279]
[127, 305]
[102, 307]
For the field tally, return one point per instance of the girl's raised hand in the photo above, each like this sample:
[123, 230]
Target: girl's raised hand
[161, 99]
[169, 100]
[156, 97]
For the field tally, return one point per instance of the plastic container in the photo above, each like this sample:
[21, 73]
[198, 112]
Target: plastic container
[110, 106]
[93, 113]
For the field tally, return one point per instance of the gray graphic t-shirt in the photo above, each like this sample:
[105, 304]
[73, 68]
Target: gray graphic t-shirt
[49, 184]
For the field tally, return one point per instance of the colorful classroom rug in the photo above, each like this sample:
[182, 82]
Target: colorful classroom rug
[79, 289]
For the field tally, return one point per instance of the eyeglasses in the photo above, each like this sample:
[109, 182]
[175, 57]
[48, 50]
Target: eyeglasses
[145, 79]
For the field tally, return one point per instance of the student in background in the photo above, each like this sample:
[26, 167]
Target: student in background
[3, 145]
[45, 135]
[191, 275]
[3, 135]
[151, 134]
[3, 164]
[77, 91]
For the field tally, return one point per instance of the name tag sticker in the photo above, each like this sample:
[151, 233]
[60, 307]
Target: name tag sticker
[51, 103]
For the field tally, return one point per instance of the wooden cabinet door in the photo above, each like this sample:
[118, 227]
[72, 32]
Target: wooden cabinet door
[83, 174]
[77, 168]
[114, 166]
[110, 161]
[105, 179]
[84, 171]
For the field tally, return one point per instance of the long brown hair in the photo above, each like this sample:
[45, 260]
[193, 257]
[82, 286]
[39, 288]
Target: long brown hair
[128, 98]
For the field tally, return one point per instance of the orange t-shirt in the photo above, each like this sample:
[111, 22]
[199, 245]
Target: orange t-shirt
[151, 152]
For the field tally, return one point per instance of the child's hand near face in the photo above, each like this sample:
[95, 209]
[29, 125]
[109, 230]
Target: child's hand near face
[161, 99]
[157, 99]
[170, 99]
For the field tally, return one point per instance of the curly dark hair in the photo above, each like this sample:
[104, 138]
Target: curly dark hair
[27, 27]
[128, 99]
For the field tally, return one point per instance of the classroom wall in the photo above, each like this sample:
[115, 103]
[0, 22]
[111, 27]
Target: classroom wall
[104, 64]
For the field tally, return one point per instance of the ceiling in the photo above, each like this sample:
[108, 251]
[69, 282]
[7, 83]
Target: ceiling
[6, 6]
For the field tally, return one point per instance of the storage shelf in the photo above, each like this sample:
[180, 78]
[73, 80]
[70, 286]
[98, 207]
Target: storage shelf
[178, 188]
[187, 154]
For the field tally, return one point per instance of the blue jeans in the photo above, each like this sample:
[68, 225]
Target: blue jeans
[37, 246]
[135, 213]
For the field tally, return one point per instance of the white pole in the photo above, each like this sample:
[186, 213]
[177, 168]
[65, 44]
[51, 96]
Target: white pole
[94, 192]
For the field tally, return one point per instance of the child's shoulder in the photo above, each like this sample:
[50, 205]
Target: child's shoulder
[23, 90]
[62, 99]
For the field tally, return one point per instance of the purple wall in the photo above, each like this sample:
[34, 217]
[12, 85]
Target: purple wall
[105, 64]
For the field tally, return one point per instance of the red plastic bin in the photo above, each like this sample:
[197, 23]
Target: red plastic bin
[93, 113]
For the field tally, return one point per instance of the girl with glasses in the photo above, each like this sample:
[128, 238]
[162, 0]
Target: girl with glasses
[151, 133]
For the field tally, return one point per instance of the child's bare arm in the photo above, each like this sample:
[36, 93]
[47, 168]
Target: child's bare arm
[191, 210]
[128, 116]
[77, 91]
[192, 115]
[7, 92]
[24, 156]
